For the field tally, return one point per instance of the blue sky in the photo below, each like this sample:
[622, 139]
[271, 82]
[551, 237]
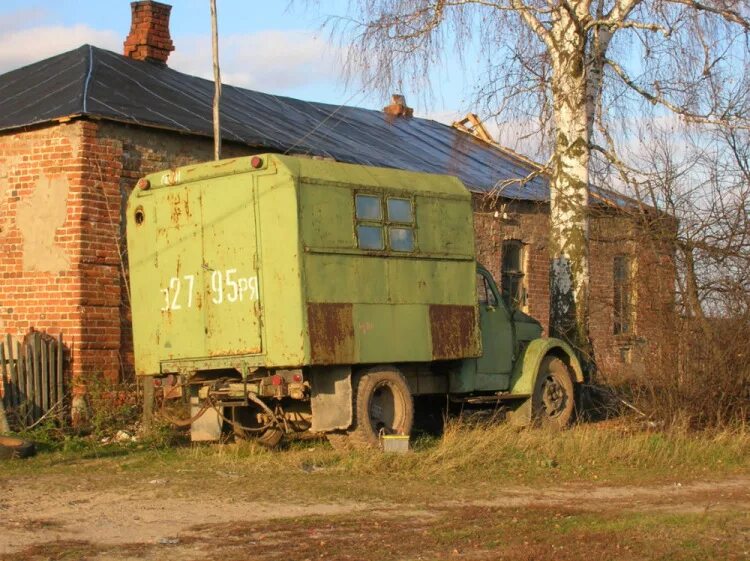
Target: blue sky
[268, 46]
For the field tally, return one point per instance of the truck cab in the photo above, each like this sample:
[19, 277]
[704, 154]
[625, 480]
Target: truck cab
[291, 294]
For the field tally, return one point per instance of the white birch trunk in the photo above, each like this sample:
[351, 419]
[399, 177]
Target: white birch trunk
[569, 218]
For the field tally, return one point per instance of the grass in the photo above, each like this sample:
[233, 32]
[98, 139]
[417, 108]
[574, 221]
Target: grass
[465, 459]
[442, 501]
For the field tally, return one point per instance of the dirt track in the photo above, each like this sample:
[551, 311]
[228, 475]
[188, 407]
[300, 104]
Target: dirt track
[158, 519]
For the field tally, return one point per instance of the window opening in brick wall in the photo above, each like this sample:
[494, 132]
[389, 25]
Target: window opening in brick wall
[374, 229]
[513, 273]
[622, 270]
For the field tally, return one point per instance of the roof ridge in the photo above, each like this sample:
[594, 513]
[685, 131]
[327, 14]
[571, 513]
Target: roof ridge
[87, 80]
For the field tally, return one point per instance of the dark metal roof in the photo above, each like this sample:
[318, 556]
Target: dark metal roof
[93, 82]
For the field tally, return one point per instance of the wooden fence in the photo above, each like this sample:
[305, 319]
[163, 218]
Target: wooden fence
[32, 379]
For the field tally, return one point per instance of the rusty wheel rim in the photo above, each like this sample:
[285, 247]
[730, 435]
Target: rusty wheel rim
[554, 396]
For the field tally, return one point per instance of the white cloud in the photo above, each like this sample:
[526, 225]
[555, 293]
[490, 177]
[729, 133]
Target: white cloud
[25, 46]
[271, 61]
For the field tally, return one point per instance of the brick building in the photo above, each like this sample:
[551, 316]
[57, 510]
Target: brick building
[78, 129]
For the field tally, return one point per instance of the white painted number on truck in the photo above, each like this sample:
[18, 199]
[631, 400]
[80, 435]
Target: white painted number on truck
[225, 287]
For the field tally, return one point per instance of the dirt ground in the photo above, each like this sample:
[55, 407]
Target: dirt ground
[54, 517]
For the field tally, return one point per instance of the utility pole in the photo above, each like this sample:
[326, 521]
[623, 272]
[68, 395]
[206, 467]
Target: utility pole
[217, 81]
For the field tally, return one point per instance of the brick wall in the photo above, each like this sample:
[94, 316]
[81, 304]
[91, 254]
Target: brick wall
[612, 233]
[42, 193]
[646, 347]
[97, 212]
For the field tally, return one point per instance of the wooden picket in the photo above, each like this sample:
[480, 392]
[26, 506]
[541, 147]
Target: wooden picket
[32, 380]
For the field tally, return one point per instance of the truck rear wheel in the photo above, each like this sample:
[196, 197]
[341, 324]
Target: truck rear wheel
[553, 400]
[382, 405]
[246, 417]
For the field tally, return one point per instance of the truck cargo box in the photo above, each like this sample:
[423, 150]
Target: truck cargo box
[283, 262]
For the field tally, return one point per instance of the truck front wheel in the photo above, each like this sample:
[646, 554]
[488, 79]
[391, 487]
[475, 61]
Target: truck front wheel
[553, 399]
[382, 405]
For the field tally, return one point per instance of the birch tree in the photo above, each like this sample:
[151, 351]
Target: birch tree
[577, 67]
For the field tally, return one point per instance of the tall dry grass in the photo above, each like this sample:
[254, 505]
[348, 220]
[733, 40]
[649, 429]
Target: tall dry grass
[702, 381]
[492, 452]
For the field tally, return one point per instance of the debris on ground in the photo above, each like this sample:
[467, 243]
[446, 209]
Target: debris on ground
[11, 447]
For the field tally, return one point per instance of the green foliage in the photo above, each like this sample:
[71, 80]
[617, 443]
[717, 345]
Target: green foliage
[108, 409]
[110, 406]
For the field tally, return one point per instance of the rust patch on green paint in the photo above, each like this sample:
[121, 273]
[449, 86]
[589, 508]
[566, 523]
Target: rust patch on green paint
[454, 331]
[331, 329]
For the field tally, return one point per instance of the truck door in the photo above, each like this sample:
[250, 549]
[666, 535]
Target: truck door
[230, 268]
[497, 332]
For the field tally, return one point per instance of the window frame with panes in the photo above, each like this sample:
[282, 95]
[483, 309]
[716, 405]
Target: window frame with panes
[513, 275]
[394, 221]
[623, 301]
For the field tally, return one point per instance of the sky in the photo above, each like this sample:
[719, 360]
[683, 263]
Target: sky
[270, 46]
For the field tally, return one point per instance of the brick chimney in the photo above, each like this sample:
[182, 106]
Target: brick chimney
[398, 107]
[149, 32]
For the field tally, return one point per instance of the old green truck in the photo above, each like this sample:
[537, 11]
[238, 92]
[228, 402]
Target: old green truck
[295, 294]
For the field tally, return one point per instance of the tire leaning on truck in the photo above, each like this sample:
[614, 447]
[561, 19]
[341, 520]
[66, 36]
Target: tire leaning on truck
[382, 404]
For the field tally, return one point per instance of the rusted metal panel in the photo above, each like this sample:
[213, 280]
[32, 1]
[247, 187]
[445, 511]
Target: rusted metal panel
[454, 331]
[207, 426]
[331, 399]
[331, 331]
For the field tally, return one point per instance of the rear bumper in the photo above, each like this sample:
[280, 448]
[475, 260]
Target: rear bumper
[188, 366]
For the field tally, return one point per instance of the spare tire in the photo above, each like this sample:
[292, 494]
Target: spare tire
[383, 404]
[15, 448]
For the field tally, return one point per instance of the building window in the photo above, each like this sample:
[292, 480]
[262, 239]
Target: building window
[513, 274]
[396, 227]
[623, 298]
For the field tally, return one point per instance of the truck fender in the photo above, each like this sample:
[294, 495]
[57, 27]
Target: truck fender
[526, 369]
[331, 398]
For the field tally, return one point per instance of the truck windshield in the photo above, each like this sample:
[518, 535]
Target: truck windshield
[484, 292]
